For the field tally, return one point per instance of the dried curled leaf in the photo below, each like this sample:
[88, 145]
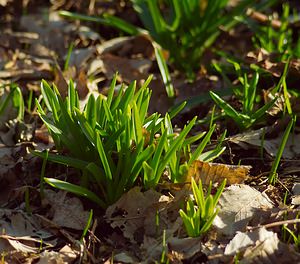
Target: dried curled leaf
[217, 172]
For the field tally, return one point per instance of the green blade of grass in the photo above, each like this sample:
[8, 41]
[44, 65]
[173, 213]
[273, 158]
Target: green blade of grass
[252, 92]
[73, 162]
[272, 176]
[103, 158]
[66, 66]
[137, 124]
[163, 68]
[19, 102]
[176, 144]
[202, 145]
[260, 112]
[87, 226]
[144, 156]
[160, 147]
[193, 139]
[85, 126]
[229, 110]
[107, 20]
[112, 90]
[175, 110]
[72, 97]
[123, 25]
[78, 190]
[212, 154]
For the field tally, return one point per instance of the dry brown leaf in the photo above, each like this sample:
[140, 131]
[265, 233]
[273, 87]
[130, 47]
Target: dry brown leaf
[242, 241]
[25, 74]
[113, 45]
[263, 59]
[79, 57]
[21, 65]
[271, 146]
[260, 246]
[128, 69]
[95, 67]
[185, 247]
[81, 84]
[68, 254]
[270, 250]
[135, 213]
[267, 61]
[23, 244]
[60, 82]
[4, 2]
[240, 204]
[124, 257]
[52, 30]
[296, 194]
[55, 257]
[134, 207]
[68, 212]
[217, 172]
[22, 233]
[10, 170]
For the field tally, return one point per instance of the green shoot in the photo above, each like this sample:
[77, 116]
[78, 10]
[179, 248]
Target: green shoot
[163, 68]
[66, 66]
[248, 115]
[198, 219]
[15, 98]
[29, 100]
[107, 20]
[273, 173]
[87, 226]
[164, 258]
[278, 41]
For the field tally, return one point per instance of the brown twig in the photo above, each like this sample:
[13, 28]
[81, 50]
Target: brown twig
[262, 18]
[279, 223]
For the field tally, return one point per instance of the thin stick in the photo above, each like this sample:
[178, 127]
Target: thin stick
[279, 223]
[260, 17]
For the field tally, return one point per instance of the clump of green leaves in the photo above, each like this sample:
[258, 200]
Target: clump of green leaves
[277, 40]
[247, 94]
[198, 219]
[184, 28]
[113, 141]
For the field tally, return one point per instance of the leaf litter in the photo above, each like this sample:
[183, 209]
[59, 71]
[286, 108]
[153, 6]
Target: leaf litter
[133, 229]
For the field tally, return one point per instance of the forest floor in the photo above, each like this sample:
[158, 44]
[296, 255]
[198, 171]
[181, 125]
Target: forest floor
[257, 222]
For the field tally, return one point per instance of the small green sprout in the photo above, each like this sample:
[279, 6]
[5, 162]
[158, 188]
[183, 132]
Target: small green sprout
[248, 115]
[278, 41]
[87, 226]
[273, 173]
[13, 98]
[295, 237]
[198, 219]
